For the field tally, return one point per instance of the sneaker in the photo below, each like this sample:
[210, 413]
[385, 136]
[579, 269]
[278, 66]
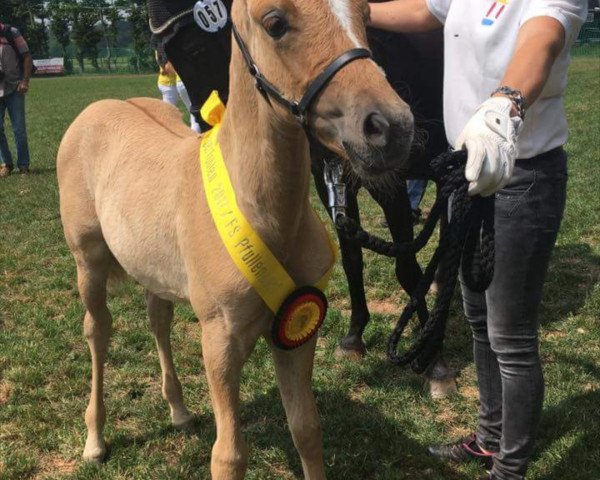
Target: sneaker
[24, 170]
[464, 450]
[5, 171]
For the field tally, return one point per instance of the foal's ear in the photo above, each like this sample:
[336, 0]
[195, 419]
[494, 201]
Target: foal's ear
[366, 12]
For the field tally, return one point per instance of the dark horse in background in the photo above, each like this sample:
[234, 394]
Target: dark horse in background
[197, 41]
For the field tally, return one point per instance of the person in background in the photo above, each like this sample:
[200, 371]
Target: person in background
[505, 74]
[185, 98]
[16, 66]
[171, 87]
[167, 80]
[416, 191]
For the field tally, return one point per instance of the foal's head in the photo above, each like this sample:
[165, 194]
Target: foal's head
[357, 114]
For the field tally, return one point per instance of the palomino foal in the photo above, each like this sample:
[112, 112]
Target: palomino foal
[132, 198]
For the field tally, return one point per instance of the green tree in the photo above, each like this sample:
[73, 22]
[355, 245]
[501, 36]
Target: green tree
[61, 16]
[85, 33]
[109, 16]
[140, 33]
[38, 29]
[60, 22]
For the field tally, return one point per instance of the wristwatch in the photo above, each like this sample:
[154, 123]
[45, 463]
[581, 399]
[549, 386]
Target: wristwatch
[516, 97]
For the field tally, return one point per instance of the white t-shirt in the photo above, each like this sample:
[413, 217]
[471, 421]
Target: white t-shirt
[480, 36]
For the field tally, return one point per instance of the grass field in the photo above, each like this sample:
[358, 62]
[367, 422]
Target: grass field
[376, 418]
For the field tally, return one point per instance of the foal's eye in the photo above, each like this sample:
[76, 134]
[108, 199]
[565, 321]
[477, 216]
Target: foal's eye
[275, 24]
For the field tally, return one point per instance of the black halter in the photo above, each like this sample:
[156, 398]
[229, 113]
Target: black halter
[297, 108]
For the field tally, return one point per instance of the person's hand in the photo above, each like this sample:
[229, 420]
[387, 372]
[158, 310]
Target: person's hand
[23, 86]
[490, 138]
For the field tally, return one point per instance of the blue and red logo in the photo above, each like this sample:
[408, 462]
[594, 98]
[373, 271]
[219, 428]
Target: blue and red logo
[494, 12]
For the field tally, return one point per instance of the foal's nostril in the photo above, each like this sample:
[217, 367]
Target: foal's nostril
[376, 129]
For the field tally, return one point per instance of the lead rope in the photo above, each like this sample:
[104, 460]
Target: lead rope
[466, 242]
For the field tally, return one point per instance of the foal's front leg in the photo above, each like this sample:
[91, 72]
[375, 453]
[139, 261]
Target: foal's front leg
[226, 346]
[294, 375]
[160, 313]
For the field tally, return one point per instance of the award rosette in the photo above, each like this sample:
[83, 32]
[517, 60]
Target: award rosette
[299, 317]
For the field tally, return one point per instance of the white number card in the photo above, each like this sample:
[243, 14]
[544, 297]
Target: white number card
[210, 15]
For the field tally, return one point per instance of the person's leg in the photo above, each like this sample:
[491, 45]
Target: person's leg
[489, 430]
[416, 189]
[528, 215]
[5, 155]
[478, 447]
[194, 125]
[15, 104]
[169, 93]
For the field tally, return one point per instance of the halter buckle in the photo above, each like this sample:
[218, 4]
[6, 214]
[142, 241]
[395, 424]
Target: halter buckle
[297, 112]
[336, 188]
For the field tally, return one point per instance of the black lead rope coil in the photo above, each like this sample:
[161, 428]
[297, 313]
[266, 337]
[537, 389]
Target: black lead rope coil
[466, 242]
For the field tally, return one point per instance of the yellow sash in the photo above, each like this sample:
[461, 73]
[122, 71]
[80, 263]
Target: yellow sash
[247, 250]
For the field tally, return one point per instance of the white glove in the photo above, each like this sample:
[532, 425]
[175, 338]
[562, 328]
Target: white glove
[490, 138]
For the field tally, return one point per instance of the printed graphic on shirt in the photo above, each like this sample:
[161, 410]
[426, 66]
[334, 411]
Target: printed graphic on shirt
[494, 12]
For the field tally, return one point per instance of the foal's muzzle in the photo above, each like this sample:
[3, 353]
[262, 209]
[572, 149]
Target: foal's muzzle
[382, 145]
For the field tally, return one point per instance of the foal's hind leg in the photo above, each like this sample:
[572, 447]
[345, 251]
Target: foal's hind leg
[92, 273]
[294, 374]
[160, 313]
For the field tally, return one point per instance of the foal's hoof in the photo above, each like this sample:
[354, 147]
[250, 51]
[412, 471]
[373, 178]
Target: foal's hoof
[349, 354]
[442, 388]
[94, 451]
[351, 349]
[183, 421]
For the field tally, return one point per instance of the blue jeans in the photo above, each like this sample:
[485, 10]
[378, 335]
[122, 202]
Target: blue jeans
[15, 104]
[416, 190]
[504, 319]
